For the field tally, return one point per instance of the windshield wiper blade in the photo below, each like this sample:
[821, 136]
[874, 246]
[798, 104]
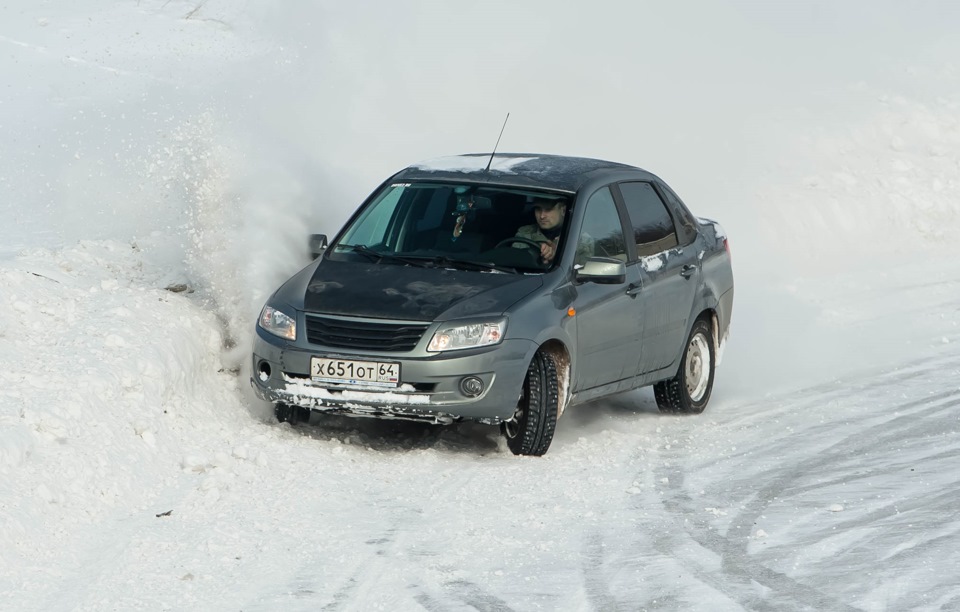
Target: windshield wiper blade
[427, 261]
[378, 256]
[470, 264]
[363, 250]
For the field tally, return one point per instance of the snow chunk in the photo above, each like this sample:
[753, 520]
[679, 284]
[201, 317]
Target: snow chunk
[653, 262]
[402, 395]
[836, 508]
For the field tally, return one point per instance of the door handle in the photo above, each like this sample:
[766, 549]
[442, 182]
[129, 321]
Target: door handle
[687, 270]
[633, 289]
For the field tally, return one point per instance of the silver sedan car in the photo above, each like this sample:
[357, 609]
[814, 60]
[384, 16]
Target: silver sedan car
[501, 289]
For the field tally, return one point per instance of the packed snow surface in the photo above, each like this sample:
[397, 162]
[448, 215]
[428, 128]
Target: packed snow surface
[162, 163]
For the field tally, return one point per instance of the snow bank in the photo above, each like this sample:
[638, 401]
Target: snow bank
[108, 378]
[883, 185]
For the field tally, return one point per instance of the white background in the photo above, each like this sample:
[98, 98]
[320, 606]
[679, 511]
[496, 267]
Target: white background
[150, 143]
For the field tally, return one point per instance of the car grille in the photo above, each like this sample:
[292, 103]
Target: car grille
[350, 333]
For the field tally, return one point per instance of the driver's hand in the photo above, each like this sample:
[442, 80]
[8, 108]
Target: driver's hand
[547, 251]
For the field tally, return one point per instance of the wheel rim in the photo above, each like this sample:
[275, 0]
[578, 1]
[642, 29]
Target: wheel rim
[512, 427]
[697, 367]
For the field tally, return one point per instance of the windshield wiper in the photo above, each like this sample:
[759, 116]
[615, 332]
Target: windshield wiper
[427, 261]
[377, 256]
[469, 264]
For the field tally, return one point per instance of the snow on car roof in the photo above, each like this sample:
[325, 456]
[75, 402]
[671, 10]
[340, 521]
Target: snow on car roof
[529, 169]
[470, 163]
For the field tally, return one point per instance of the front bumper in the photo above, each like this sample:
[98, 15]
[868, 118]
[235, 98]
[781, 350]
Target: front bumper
[429, 388]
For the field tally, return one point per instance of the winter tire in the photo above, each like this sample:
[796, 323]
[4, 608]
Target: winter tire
[531, 429]
[689, 391]
[286, 413]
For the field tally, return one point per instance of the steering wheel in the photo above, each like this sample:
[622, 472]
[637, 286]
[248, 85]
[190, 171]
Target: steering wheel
[533, 244]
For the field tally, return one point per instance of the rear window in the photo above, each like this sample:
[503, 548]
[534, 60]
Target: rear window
[653, 228]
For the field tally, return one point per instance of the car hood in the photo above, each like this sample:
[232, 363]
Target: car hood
[388, 291]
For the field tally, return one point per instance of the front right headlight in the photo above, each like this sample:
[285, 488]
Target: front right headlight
[278, 323]
[454, 337]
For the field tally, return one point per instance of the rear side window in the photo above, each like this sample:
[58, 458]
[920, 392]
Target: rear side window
[653, 228]
[686, 224]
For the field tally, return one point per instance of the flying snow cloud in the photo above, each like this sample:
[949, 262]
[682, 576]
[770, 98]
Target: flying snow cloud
[235, 134]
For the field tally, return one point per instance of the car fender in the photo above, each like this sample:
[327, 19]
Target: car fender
[543, 317]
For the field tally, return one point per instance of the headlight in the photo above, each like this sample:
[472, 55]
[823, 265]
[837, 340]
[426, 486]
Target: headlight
[278, 323]
[472, 335]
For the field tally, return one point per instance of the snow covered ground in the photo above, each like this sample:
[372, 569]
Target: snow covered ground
[161, 162]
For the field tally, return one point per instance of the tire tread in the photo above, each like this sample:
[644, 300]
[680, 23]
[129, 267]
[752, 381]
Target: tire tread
[540, 421]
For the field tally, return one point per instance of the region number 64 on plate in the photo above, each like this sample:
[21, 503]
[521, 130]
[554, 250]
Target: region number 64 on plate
[347, 372]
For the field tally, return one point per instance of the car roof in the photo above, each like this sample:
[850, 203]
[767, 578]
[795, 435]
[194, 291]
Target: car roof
[555, 172]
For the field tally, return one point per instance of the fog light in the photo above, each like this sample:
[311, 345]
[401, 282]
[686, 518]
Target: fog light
[264, 373]
[471, 386]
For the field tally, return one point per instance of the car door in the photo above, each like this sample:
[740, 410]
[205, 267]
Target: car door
[607, 321]
[669, 275]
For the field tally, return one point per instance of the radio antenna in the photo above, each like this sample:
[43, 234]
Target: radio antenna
[494, 152]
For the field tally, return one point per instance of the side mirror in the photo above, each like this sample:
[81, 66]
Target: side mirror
[603, 270]
[318, 244]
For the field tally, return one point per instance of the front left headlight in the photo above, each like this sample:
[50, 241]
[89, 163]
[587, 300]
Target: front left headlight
[454, 337]
[278, 323]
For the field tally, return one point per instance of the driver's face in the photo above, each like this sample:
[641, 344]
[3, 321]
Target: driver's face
[549, 216]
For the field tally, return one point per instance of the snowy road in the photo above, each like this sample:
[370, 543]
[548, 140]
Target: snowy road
[838, 495]
[153, 148]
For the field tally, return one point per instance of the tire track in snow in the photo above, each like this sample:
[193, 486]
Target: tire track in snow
[739, 572]
[914, 418]
[917, 425]
[828, 391]
[596, 583]
[397, 538]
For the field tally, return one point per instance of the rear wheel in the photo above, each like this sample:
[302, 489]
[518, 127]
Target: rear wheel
[286, 413]
[689, 391]
[531, 429]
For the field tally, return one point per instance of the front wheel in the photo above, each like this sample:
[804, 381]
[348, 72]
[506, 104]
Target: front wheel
[531, 429]
[689, 391]
[286, 413]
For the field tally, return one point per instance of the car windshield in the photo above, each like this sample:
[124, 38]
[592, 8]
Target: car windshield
[467, 226]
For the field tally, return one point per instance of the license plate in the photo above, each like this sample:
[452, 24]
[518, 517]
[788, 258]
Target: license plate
[345, 372]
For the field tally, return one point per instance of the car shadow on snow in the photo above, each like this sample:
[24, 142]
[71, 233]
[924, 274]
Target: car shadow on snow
[391, 435]
[618, 413]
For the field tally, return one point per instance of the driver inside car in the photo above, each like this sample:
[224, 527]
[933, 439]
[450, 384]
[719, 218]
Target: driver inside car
[549, 215]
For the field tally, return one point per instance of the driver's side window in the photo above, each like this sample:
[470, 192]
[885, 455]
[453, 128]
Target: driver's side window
[601, 234]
